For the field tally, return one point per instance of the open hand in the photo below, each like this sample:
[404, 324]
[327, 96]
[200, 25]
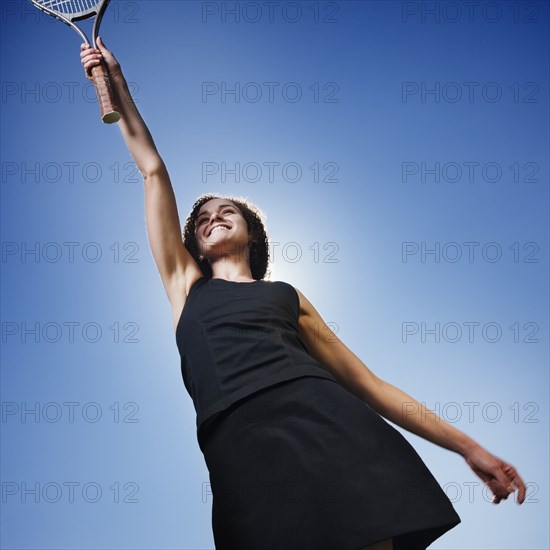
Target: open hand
[499, 476]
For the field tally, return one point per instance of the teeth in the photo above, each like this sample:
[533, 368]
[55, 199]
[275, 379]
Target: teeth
[218, 227]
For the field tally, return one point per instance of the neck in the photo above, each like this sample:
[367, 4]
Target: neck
[231, 269]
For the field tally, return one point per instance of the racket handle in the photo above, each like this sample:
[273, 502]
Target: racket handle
[107, 105]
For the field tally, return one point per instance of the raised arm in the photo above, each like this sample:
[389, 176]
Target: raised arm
[177, 268]
[399, 407]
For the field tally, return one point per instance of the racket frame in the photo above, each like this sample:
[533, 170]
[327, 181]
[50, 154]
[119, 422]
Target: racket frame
[101, 78]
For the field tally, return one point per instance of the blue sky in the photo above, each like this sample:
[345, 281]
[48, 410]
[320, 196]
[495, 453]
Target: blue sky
[400, 153]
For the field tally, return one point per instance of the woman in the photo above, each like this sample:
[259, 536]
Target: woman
[288, 419]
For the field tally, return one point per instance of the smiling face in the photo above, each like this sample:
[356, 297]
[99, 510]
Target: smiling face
[246, 228]
[220, 227]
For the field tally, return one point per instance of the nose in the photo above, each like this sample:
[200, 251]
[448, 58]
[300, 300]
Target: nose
[214, 217]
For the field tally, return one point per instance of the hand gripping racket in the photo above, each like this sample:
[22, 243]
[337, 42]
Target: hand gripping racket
[69, 11]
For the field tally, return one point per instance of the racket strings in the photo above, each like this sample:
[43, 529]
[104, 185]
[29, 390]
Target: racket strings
[71, 7]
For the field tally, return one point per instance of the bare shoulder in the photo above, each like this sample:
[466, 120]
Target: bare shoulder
[178, 290]
[312, 326]
[306, 307]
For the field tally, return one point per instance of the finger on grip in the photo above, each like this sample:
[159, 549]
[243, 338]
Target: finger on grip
[105, 96]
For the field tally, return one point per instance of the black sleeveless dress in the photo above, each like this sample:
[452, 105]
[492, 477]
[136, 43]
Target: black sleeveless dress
[296, 461]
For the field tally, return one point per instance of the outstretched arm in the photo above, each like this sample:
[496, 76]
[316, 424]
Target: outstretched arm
[174, 262]
[134, 130]
[399, 407]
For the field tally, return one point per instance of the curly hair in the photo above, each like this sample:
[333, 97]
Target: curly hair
[258, 245]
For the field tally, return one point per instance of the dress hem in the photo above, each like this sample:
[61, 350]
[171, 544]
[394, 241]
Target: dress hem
[404, 530]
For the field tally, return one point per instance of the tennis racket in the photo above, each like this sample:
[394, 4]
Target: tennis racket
[69, 11]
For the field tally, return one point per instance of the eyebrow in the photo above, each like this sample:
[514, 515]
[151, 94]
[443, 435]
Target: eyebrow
[219, 208]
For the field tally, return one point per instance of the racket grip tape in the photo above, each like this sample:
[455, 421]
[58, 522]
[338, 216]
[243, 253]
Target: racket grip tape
[107, 104]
